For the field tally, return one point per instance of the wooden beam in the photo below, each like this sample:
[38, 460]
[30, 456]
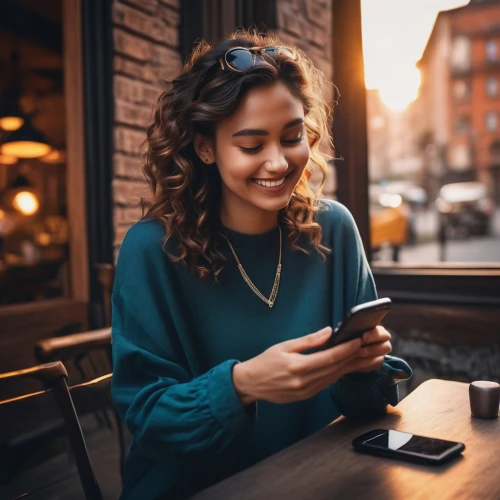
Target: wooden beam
[75, 150]
[349, 125]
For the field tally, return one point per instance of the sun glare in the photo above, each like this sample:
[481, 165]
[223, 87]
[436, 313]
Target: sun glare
[395, 33]
[398, 93]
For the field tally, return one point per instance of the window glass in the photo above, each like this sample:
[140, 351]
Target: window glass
[491, 50]
[462, 123]
[461, 90]
[491, 86]
[34, 228]
[491, 121]
[433, 145]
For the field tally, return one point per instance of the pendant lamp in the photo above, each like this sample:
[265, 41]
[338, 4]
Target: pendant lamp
[21, 196]
[25, 142]
[11, 116]
[8, 160]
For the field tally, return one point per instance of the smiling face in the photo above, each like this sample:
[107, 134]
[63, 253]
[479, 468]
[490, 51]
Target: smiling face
[261, 151]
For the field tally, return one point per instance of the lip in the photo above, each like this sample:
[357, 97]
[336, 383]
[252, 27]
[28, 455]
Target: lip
[276, 189]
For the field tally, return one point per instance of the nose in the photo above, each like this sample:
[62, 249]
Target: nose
[277, 164]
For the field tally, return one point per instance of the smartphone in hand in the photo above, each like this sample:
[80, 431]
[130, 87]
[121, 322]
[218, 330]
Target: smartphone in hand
[359, 319]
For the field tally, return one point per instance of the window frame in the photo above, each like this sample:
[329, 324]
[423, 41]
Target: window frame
[441, 283]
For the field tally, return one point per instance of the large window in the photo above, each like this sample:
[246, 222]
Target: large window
[34, 230]
[432, 173]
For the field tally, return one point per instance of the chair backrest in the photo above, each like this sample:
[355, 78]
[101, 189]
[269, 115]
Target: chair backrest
[70, 349]
[13, 411]
[88, 352]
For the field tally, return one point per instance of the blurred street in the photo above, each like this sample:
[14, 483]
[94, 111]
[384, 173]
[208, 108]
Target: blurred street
[474, 249]
[427, 250]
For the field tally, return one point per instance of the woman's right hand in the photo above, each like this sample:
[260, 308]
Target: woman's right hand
[282, 374]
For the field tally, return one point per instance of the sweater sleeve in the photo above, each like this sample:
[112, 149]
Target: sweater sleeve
[359, 395]
[166, 409]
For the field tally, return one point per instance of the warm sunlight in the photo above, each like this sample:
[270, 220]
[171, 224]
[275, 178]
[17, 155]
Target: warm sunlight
[395, 33]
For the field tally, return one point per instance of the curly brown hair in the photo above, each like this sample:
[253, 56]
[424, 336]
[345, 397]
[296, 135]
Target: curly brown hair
[186, 195]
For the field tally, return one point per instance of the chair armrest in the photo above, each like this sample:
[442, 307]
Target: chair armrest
[72, 345]
[46, 373]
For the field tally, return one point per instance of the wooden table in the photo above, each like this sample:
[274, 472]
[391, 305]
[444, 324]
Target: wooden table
[325, 466]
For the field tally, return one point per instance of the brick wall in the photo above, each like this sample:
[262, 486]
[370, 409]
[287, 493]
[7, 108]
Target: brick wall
[146, 42]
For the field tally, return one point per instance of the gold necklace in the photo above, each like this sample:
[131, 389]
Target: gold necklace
[274, 292]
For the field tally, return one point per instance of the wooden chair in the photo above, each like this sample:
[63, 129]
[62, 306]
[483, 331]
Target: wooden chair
[17, 454]
[88, 352]
[73, 349]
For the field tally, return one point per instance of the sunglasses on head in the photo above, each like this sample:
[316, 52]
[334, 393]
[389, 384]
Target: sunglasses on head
[241, 59]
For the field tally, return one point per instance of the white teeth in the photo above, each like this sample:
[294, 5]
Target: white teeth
[269, 183]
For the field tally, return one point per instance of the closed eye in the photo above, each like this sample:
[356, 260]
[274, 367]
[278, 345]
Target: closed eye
[293, 141]
[254, 150]
[288, 142]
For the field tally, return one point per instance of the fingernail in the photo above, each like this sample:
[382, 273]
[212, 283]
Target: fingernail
[325, 332]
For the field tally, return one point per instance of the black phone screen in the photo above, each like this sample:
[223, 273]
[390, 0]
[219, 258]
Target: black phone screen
[412, 443]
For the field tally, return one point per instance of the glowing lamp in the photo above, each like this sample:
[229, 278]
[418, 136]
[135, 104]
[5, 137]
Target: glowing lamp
[21, 196]
[54, 157]
[26, 142]
[11, 123]
[11, 116]
[26, 203]
[8, 160]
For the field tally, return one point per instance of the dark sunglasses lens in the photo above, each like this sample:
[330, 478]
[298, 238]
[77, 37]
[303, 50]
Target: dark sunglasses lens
[270, 51]
[273, 51]
[239, 59]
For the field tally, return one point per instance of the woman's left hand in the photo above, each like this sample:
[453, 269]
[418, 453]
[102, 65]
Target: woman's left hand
[376, 344]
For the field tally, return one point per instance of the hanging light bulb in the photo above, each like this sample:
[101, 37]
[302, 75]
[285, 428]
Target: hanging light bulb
[54, 157]
[25, 142]
[26, 203]
[8, 160]
[11, 116]
[21, 196]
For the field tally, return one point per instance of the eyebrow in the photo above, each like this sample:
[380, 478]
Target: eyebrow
[255, 131]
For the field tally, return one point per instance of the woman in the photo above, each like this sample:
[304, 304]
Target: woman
[230, 284]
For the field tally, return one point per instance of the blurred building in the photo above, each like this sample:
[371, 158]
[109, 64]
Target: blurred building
[457, 113]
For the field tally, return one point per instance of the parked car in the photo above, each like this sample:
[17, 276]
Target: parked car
[388, 221]
[465, 209]
[414, 201]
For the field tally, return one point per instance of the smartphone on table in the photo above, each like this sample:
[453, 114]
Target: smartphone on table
[359, 320]
[406, 446]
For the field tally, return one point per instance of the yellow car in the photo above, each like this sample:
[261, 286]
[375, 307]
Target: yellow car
[388, 222]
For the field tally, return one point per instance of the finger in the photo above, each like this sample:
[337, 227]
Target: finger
[322, 378]
[377, 334]
[373, 350]
[364, 365]
[308, 341]
[333, 355]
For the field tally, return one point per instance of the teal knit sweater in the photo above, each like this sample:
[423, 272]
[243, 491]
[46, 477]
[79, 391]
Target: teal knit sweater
[176, 340]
